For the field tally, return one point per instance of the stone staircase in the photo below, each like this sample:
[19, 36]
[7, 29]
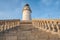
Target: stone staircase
[27, 32]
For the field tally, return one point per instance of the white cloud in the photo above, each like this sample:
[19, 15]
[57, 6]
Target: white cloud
[50, 2]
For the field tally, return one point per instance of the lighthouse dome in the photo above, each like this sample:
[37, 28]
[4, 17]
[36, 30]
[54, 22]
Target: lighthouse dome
[27, 7]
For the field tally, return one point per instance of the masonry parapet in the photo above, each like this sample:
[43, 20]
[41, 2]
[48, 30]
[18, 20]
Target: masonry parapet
[7, 24]
[48, 25]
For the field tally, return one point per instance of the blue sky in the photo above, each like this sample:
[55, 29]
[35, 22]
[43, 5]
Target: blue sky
[12, 9]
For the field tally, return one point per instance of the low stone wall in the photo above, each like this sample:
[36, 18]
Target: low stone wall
[49, 25]
[7, 24]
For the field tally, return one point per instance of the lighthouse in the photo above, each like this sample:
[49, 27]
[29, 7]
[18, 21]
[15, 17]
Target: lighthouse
[26, 13]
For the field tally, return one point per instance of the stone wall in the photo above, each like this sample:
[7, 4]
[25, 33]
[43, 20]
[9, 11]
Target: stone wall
[48, 25]
[28, 31]
[7, 24]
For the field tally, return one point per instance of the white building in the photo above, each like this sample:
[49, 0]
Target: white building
[26, 13]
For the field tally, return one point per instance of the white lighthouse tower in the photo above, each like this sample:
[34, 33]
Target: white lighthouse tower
[26, 13]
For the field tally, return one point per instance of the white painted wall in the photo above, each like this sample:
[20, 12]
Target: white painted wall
[26, 15]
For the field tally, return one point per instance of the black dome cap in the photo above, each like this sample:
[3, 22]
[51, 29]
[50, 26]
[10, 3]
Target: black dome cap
[27, 5]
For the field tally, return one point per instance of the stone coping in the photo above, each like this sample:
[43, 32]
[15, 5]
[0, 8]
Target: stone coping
[25, 22]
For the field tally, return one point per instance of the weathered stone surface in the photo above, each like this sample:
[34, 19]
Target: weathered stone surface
[27, 32]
